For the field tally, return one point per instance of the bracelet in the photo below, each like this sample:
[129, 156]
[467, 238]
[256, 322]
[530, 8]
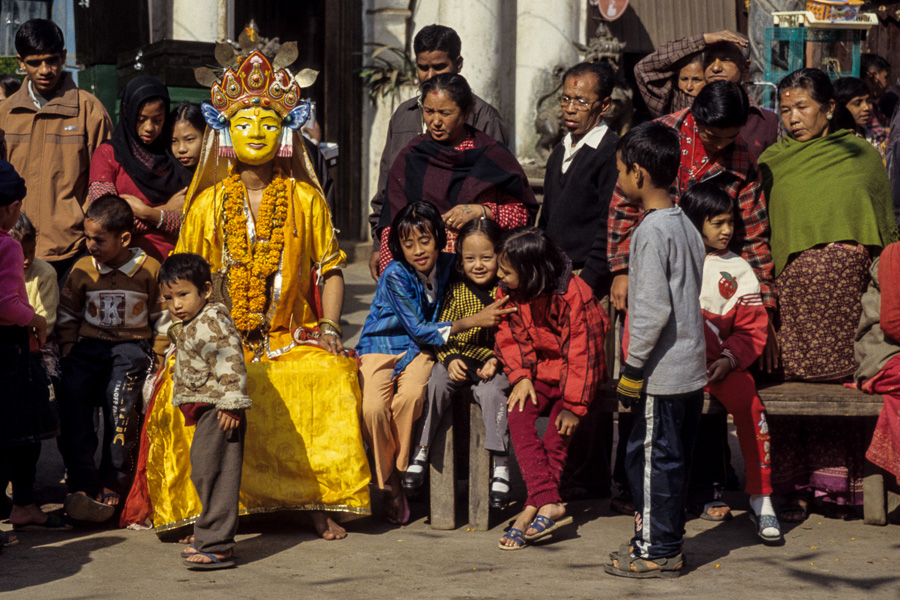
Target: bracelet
[329, 324]
[484, 211]
[162, 217]
[326, 329]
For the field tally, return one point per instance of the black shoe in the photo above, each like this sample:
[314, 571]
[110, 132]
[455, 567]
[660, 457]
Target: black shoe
[413, 481]
[499, 499]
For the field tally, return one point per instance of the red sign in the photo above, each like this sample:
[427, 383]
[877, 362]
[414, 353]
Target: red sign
[611, 9]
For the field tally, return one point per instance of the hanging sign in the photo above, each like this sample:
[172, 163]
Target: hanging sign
[611, 9]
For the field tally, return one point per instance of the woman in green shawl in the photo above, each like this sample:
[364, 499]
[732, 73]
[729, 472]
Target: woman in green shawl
[830, 215]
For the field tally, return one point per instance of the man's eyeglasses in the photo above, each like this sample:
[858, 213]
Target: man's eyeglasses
[580, 104]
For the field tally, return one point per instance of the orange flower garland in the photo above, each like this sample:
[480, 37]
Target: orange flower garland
[251, 267]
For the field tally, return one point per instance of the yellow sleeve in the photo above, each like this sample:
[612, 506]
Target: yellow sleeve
[201, 230]
[43, 292]
[326, 253]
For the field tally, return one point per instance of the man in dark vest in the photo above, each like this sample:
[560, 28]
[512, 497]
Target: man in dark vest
[578, 185]
[437, 51]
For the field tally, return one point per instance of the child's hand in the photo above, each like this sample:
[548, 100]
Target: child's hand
[488, 369]
[491, 315]
[718, 370]
[227, 422]
[457, 370]
[566, 422]
[39, 324]
[618, 293]
[520, 393]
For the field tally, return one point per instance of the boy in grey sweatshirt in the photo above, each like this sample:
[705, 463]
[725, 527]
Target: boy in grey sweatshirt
[665, 368]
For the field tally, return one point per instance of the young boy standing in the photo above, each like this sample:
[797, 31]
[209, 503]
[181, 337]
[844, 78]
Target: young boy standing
[105, 326]
[665, 368]
[210, 387]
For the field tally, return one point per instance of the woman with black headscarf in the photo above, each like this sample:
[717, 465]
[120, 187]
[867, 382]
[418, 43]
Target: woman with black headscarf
[137, 164]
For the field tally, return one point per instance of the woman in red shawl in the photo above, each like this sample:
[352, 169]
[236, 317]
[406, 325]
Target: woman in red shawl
[463, 172]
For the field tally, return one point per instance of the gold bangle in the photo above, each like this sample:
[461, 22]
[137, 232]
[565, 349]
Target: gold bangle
[335, 326]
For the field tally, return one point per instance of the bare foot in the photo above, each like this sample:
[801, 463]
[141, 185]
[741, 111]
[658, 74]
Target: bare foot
[554, 512]
[718, 512]
[187, 540]
[203, 560]
[109, 497]
[522, 521]
[20, 516]
[326, 528]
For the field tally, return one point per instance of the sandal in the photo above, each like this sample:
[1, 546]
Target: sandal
[622, 505]
[764, 522]
[185, 553]
[53, 523]
[106, 496]
[669, 567]
[84, 508]
[216, 564]
[404, 519]
[7, 539]
[795, 511]
[518, 538]
[546, 526]
[705, 515]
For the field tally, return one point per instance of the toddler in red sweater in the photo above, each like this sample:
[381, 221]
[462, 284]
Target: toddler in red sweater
[551, 349]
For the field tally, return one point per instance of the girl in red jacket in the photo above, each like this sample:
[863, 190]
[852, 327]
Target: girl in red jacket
[735, 323]
[552, 351]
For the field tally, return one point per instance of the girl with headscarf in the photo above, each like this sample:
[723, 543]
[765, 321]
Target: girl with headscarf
[137, 164]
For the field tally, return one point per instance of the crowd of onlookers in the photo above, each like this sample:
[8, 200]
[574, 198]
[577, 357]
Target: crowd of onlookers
[174, 270]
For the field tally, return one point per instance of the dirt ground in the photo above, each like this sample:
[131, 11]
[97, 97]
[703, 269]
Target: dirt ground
[278, 555]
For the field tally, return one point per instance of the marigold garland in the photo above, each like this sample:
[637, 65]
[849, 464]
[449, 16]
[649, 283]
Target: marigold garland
[251, 266]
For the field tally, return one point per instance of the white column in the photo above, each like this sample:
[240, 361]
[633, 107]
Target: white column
[543, 39]
[195, 20]
[487, 31]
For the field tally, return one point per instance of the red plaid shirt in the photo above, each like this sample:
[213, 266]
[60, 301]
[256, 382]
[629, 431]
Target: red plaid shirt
[736, 172]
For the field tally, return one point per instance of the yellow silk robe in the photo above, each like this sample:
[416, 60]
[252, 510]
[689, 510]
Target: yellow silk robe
[303, 447]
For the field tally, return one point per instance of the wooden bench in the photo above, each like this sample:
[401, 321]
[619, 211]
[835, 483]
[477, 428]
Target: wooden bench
[811, 400]
[790, 398]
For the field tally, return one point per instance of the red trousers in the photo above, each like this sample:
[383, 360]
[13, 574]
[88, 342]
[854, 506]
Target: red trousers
[737, 392]
[540, 459]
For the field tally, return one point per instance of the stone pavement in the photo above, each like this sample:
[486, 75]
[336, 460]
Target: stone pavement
[279, 557]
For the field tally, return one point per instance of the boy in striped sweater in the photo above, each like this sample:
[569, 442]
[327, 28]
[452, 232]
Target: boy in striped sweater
[105, 328]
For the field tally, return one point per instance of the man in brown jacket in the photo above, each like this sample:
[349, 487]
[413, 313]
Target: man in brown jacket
[437, 51]
[51, 130]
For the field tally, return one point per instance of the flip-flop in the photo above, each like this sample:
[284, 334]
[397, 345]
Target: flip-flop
[5, 542]
[83, 508]
[716, 504]
[517, 536]
[216, 564]
[53, 523]
[546, 526]
[764, 522]
[185, 553]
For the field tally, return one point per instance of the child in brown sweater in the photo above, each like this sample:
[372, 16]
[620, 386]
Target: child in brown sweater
[105, 326]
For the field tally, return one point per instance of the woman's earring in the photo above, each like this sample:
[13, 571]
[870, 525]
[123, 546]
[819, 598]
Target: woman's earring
[828, 116]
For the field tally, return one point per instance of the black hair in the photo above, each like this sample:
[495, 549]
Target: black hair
[186, 266]
[486, 227]
[606, 77]
[437, 38]
[456, 87]
[416, 216]
[23, 229]
[39, 36]
[190, 112]
[848, 88]
[10, 84]
[814, 81]
[741, 55]
[696, 57]
[869, 61]
[112, 213]
[706, 200]
[654, 147]
[535, 258]
[820, 88]
[721, 104]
